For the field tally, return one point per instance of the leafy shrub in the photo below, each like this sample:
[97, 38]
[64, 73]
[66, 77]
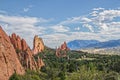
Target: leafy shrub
[14, 77]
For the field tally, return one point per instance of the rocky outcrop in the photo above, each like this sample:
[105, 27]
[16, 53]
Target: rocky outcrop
[24, 45]
[40, 62]
[62, 50]
[25, 54]
[9, 62]
[16, 41]
[64, 46]
[38, 45]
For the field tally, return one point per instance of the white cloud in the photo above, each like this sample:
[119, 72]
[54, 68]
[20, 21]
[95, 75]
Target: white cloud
[77, 28]
[104, 18]
[102, 24]
[59, 28]
[98, 8]
[23, 26]
[3, 12]
[15, 20]
[108, 15]
[85, 20]
[27, 8]
[100, 20]
[89, 27]
[71, 20]
[54, 40]
[94, 13]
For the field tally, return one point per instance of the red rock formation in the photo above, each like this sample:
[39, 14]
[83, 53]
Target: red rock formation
[29, 60]
[40, 62]
[9, 62]
[25, 54]
[61, 51]
[24, 45]
[16, 41]
[58, 54]
[38, 45]
[64, 46]
[19, 43]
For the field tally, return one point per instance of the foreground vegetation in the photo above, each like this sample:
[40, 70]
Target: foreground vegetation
[75, 66]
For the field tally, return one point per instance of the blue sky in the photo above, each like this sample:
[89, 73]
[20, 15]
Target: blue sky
[61, 20]
[58, 9]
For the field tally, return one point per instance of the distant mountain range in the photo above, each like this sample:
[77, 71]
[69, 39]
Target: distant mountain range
[82, 44]
[78, 44]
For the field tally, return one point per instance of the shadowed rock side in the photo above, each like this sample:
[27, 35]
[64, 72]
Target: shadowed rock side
[38, 45]
[25, 54]
[9, 62]
[61, 51]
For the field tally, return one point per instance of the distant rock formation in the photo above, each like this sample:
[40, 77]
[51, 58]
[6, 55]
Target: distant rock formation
[38, 45]
[64, 46]
[25, 54]
[9, 62]
[62, 50]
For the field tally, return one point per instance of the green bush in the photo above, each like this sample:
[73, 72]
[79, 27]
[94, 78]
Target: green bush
[15, 77]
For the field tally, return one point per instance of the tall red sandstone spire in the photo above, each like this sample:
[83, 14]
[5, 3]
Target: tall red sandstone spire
[38, 45]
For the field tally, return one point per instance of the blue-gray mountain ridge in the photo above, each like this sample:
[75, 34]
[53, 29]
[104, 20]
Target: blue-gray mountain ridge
[82, 44]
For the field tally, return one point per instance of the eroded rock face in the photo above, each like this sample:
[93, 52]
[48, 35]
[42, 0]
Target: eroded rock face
[38, 45]
[9, 62]
[25, 54]
[62, 50]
